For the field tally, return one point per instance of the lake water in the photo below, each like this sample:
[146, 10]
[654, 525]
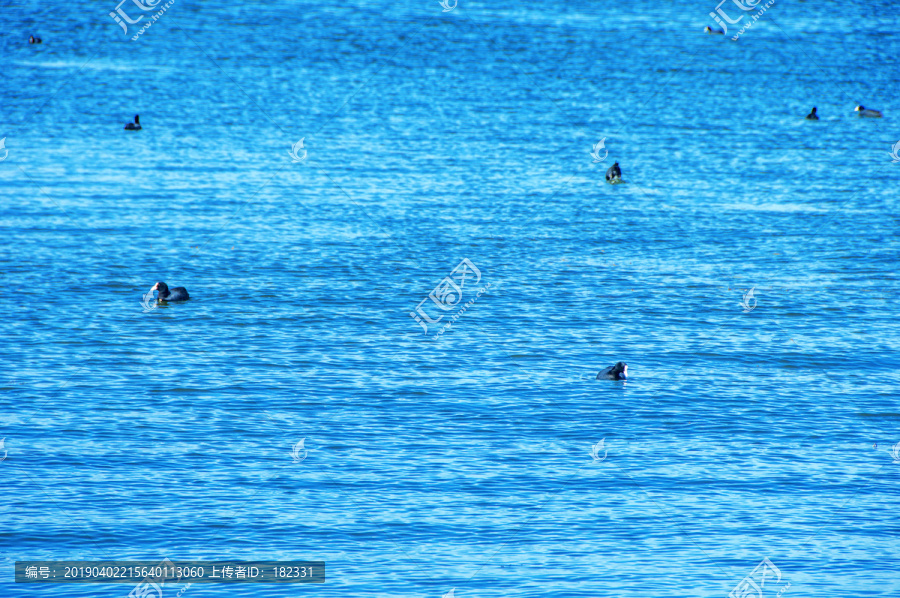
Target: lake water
[750, 427]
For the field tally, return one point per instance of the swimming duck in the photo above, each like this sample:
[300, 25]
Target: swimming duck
[175, 294]
[614, 372]
[34, 40]
[863, 111]
[614, 172]
[812, 115]
[135, 126]
[714, 31]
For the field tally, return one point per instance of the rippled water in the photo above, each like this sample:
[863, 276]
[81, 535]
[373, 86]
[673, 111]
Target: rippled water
[460, 460]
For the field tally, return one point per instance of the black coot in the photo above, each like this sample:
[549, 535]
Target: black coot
[614, 172]
[614, 372]
[867, 112]
[166, 294]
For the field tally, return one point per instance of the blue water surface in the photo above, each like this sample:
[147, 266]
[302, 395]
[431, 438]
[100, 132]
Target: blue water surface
[751, 426]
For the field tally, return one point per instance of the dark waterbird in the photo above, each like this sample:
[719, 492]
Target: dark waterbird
[34, 40]
[614, 173]
[714, 31]
[614, 372]
[136, 125]
[867, 112]
[175, 294]
[812, 115]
